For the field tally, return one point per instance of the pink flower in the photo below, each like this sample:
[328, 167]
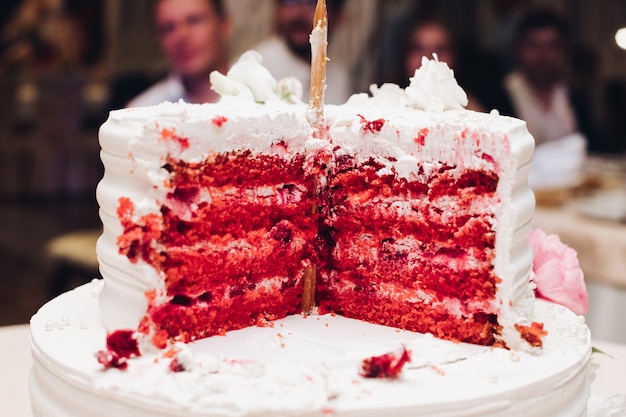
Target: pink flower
[557, 273]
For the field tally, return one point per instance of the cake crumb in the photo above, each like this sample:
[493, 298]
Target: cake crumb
[438, 370]
[388, 365]
[533, 334]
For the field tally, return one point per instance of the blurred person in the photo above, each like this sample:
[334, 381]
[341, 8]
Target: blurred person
[426, 38]
[41, 35]
[193, 35]
[506, 17]
[536, 90]
[288, 51]
[611, 137]
[427, 35]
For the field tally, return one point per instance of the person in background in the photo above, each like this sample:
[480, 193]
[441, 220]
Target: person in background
[536, 90]
[193, 35]
[427, 34]
[506, 15]
[288, 52]
[41, 35]
[427, 37]
[611, 134]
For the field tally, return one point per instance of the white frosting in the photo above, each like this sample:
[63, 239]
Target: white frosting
[247, 78]
[304, 367]
[434, 88]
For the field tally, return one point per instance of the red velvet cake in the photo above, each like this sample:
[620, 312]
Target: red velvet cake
[328, 245]
[400, 214]
[414, 215]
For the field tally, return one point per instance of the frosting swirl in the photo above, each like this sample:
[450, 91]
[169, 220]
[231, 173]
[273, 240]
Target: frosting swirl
[434, 88]
[249, 79]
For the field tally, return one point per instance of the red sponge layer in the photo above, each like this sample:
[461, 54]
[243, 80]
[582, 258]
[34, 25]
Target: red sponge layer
[224, 308]
[419, 316]
[237, 231]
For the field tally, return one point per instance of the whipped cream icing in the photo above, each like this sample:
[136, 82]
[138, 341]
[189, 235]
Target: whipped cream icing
[434, 88]
[247, 78]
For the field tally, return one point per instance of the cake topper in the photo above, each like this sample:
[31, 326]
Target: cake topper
[319, 43]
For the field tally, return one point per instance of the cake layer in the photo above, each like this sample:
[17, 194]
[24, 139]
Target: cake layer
[425, 242]
[304, 367]
[216, 244]
[370, 258]
[412, 310]
[193, 271]
[228, 307]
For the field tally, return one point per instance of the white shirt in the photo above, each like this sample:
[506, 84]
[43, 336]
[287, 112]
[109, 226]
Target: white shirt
[281, 63]
[556, 121]
[169, 89]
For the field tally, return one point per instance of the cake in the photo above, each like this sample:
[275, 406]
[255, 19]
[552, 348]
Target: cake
[209, 225]
[404, 215]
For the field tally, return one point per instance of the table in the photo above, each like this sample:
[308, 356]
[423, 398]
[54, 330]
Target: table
[15, 362]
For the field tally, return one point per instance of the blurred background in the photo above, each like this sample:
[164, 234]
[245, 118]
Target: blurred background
[64, 64]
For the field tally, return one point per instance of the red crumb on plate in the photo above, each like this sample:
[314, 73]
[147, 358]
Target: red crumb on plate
[388, 365]
[121, 345]
[438, 370]
[533, 334]
[111, 360]
[176, 366]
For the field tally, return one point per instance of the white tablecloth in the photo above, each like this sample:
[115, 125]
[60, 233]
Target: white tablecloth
[15, 362]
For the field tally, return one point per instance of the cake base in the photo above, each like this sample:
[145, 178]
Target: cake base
[304, 367]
